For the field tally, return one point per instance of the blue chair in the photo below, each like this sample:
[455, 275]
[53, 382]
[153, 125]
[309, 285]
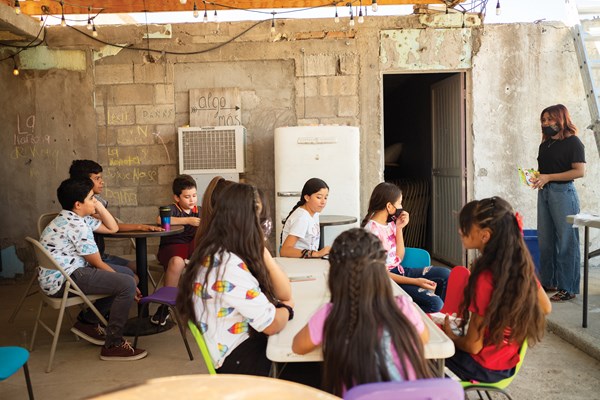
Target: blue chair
[167, 296]
[421, 389]
[11, 359]
[416, 258]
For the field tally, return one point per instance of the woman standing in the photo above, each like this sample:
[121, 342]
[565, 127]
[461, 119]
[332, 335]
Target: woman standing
[561, 159]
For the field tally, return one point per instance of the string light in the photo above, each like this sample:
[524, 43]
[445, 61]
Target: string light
[17, 7]
[94, 31]
[374, 5]
[41, 20]
[361, 19]
[216, 17]
[196, 13]
[273, 23]
[15, 68]
[183, 1]
[89, 24]
[498, 10]
[205, 18]
[63, 22]
[337, 17]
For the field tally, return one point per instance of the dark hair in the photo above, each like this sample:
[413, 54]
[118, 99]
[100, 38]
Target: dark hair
[183, 182]
[312, 186]
[83, 168]
[560, 114]
[514, 301]
[209, 201]
[235, 229]
[383, 193]
[73, 190]
[364, 307]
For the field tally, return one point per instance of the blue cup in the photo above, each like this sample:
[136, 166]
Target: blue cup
[165, 217]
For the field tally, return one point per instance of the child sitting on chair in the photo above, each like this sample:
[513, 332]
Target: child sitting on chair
[175, 250]
[503, 303]
[69, 239]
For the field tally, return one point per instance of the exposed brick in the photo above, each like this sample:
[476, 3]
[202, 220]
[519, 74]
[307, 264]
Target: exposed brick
[340, 121]
[118, 115]
[155, 196]
[131, 176]
[167, 134]
[113, 73]
[349, 64]
[130, 94]
[106, 136]
[320, 107]
[307, 86]
[317, 65]
[159, 114]
[182, 102]
[143, 214]
[166, 174]
[123, 196]
[153, 73]
[308, 122]
[348, 106]
[164, 94]
[338, 85]
[134, 135]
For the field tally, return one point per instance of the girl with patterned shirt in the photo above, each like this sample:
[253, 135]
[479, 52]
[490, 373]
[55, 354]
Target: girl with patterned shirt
[367, 334]
[386, 218]
[229, 291]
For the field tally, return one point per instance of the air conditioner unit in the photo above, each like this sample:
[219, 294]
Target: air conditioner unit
[212, 150]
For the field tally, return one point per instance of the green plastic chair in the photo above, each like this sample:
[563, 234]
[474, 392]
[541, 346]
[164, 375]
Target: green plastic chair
[416, 258]
[202, 346]
[497, 387]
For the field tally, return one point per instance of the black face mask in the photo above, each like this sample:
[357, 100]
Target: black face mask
[550, 130]
[394, 216]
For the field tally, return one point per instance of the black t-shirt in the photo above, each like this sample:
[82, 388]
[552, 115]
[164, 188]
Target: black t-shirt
[556, 156]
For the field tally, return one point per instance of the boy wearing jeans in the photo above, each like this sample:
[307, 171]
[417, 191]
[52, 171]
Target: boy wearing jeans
[69, 239]
[175, 250]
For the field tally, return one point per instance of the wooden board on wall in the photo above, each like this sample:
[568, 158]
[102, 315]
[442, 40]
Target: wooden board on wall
[215, 107]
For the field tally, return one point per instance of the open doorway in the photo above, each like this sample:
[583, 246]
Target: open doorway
[424, 136]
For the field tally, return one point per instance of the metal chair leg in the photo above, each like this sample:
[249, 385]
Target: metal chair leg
[182, 330]
[28, 381]
[26, 294]
[139, 322]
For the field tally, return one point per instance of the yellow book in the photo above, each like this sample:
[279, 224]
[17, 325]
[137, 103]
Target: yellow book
[527, 174]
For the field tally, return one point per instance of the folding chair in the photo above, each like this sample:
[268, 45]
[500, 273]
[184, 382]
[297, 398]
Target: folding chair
[202, 346]
[167, 296]
[457, 282]
[497, 387]
[43, 221]
[72, 296]
[421, 389]
[11, 359]
[416, 258]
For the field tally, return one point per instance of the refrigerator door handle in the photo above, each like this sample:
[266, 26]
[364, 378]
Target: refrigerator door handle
[288, 194]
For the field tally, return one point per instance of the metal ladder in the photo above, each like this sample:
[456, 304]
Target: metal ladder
[583, 40]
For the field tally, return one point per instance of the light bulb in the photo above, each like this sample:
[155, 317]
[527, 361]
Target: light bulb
[273, 26]
[216, 16]
[89, 24]
[42, 21]
[15, 70]
[374, 6]
[196, 14]
[94, 31]
[337, 17]
[205, 18]
[63, 22]
[17, 7]
[351, 23]
[361, 19]
[498, 10]
[183, 1]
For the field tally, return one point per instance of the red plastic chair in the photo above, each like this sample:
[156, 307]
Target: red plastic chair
[457, 281]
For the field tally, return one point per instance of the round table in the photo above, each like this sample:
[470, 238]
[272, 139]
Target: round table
[217, 387]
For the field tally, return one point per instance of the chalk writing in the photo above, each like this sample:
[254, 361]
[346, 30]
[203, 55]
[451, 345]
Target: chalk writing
[121, 197]
[33, 152]
[114, 160]
[25, 133]
[136, 175]
[215, 107]
[117, 118]
[138, 134]
[157, 114]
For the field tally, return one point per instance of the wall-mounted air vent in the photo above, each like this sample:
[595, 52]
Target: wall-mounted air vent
[209, 150]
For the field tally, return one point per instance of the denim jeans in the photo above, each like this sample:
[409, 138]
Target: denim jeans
[560, 257]
[120, 285]
[427, 301]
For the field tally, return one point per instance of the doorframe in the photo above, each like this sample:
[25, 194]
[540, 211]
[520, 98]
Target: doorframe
[467, 138]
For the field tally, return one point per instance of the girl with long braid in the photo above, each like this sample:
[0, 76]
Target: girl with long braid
[503, 303]
[301, 232]
[367, 334]
[385, 219]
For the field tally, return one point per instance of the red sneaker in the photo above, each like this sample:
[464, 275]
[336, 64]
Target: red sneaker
[94, 334]
[122, 352]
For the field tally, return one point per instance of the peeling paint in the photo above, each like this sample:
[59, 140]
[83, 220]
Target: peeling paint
[41, 58]
[107, 51]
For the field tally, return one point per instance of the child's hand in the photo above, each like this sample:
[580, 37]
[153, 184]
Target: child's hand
[323, 252]
[194, 221]
[150, 228]
[138, 295]
[402, 220]
[426, 284]
[447, 328]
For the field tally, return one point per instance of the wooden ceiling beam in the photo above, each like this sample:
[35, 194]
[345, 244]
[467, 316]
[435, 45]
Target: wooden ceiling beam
[30, 7]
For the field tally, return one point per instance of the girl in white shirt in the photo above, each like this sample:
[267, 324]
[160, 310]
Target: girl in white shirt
[301, 232]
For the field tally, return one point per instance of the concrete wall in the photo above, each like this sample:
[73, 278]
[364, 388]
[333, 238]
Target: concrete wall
[124, 112]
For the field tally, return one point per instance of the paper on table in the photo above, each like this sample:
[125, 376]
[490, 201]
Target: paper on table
[580, 218]
[439, 318]
[302, 278]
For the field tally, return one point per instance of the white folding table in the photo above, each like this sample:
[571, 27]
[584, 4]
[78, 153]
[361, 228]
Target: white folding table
[309, 290]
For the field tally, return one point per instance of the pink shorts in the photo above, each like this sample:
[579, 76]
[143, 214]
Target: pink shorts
[183, 250]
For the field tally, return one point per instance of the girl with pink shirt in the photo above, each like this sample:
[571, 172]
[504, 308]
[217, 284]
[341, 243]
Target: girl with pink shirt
[365, 328]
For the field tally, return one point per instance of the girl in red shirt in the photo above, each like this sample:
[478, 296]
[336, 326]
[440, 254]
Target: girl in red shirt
[503, 301]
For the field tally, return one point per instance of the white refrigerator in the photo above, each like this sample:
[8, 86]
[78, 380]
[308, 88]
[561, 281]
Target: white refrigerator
[328, 152]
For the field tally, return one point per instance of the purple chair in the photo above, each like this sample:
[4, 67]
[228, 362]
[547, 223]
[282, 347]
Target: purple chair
[165, 295]
[422, 389]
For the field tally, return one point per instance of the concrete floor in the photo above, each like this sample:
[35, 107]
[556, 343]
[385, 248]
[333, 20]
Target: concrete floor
[554, 369]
